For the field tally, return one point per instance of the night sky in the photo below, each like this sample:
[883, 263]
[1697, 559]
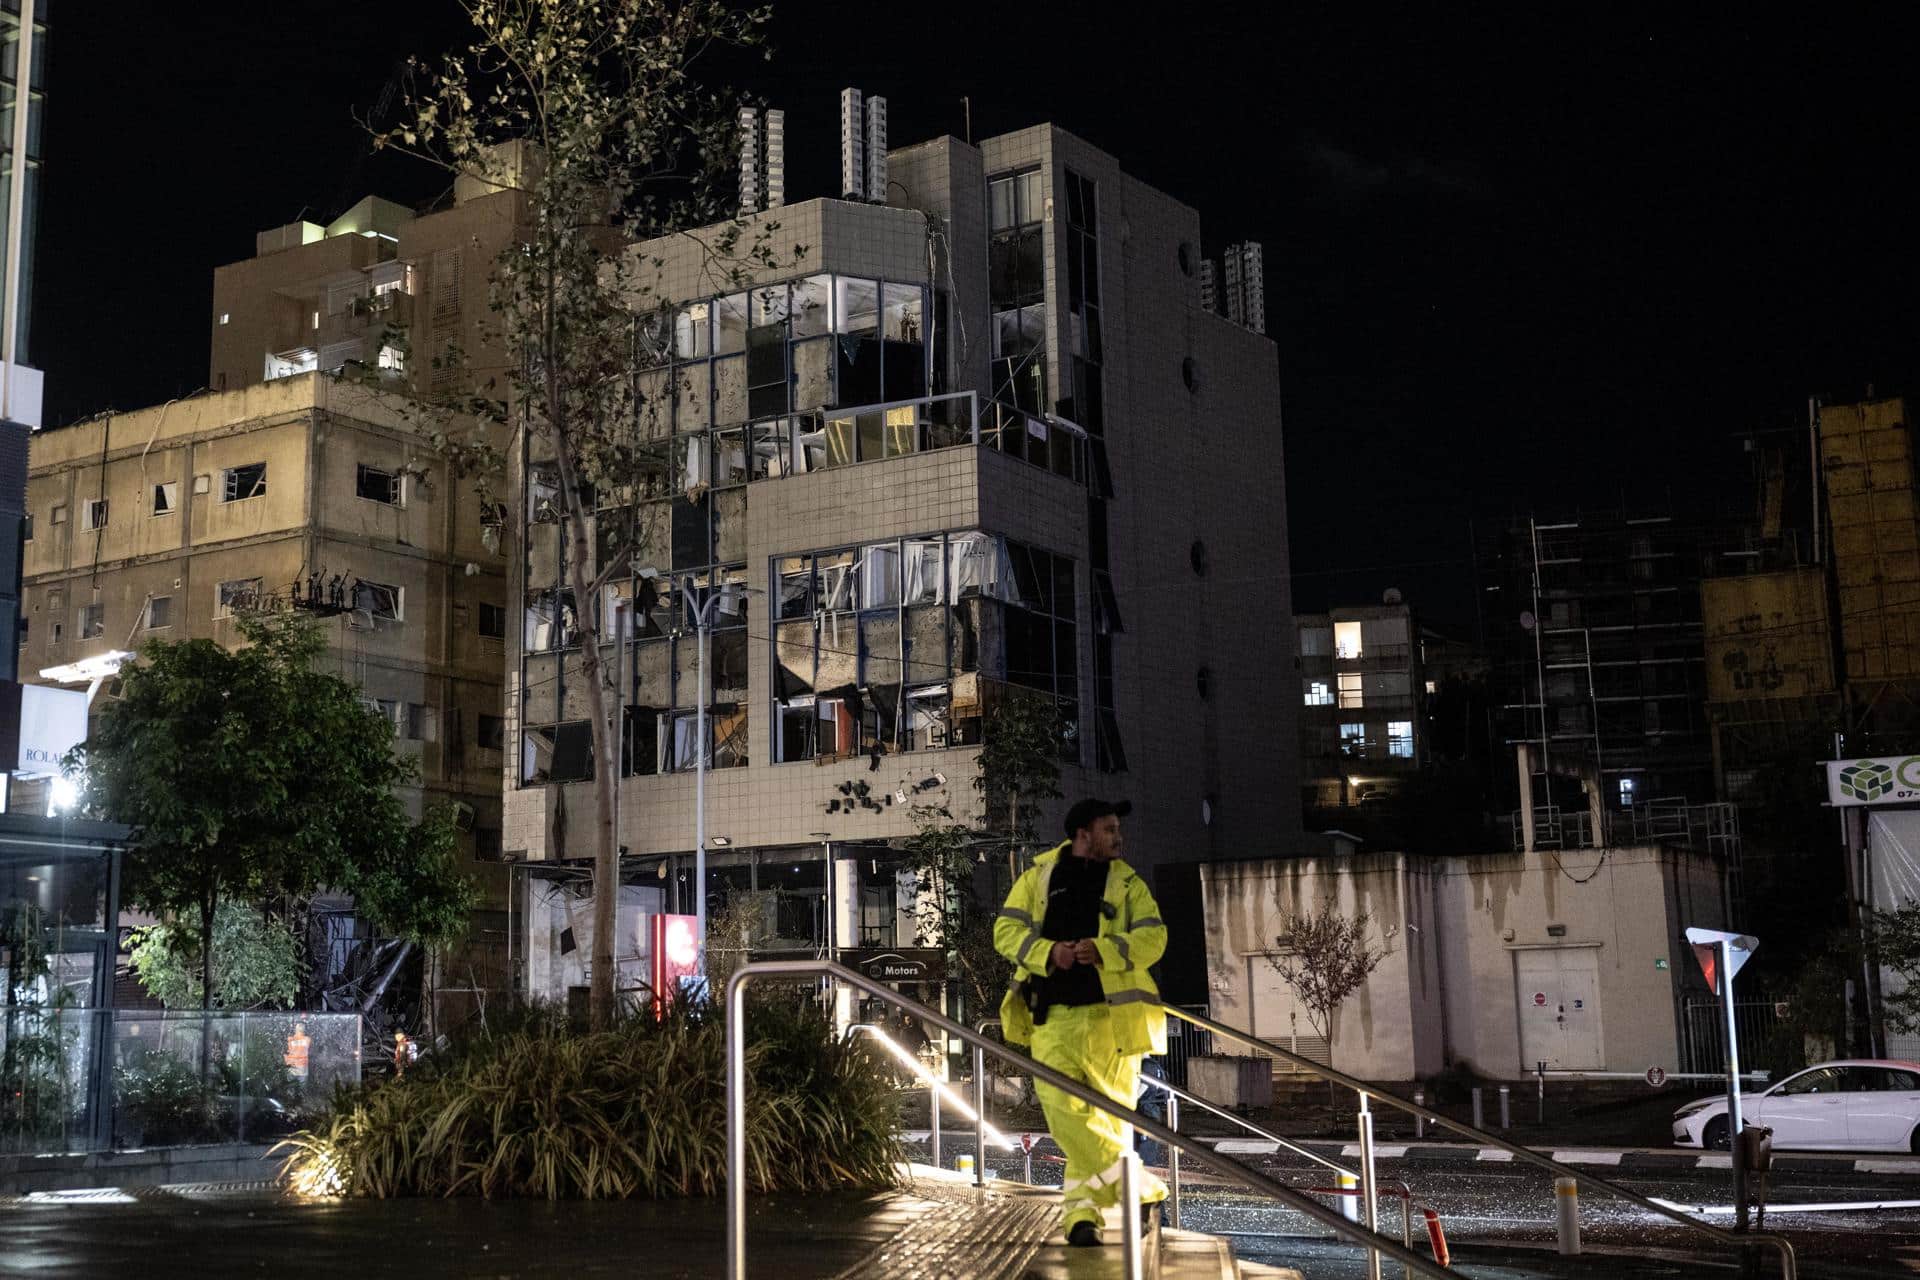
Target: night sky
[1531, 257]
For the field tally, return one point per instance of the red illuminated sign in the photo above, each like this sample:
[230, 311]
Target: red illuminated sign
[674, 954]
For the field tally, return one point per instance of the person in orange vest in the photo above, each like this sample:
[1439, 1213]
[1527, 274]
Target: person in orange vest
[299, 1046]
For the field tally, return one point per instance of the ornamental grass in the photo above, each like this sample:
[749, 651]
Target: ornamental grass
[535, 1109]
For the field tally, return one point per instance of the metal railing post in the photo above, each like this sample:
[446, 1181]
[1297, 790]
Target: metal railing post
[933, 1123]
[1173, 1161]
[1506, 1107]
[736, 1010]
[979, 1116]
[1369, 1186]
[1130, 1207]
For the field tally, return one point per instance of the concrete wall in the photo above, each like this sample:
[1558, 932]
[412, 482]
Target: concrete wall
[1455, 927]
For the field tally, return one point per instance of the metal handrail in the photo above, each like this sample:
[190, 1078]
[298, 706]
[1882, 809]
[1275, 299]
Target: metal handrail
[1377, 1245]
[1789, 1268]
[1174, 1089]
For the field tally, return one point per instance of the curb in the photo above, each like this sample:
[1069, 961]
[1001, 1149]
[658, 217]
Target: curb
[1629, 1159]
[1626, 1159]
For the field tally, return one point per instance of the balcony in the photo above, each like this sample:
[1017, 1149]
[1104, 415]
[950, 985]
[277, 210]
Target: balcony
[823, 439]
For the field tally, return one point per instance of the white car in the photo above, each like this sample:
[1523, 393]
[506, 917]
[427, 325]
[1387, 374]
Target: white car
[1864, 1104]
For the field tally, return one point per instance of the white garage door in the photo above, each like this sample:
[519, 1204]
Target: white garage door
[1558, 989]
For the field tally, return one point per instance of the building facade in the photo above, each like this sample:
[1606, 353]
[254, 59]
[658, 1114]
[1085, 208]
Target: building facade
[1362, 703]
[977, 439]
[300, 493]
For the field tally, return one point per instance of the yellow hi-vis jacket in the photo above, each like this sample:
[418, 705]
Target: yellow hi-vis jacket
[1131, 937]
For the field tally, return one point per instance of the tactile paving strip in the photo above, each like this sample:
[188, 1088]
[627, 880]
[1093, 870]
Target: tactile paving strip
[958, 1234]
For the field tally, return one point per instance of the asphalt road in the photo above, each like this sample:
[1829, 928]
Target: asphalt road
[1500, 1215]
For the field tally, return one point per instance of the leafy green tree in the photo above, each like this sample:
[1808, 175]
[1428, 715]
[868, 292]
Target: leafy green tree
[589, 109]
[256, 961]
[249, 775]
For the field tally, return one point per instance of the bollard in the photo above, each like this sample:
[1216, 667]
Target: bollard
[1566, 1196]
[1540, 1093]
[1419, 1121]
[1027, 1163]
[980, 1116]
[1479, 1112]
[1506, 1111]
[1349, 1205]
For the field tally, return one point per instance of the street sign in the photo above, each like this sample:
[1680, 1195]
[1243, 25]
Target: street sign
[897, 964]
[1706, 949]
[1660, 962]
[1874, 781]
[1539, 999]
[1656, 1076]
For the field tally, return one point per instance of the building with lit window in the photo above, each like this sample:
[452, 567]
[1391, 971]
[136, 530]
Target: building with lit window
[981, 437]
[1362, 703]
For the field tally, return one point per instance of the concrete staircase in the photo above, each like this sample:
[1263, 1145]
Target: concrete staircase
[1011, 1231]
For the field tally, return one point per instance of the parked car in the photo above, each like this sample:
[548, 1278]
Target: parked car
[1864, 1104]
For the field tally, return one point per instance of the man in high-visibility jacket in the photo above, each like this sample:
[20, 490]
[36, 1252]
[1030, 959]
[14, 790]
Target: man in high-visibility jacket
[1081, 928]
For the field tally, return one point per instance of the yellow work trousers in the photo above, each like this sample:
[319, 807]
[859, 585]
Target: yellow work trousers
[1077, 1042]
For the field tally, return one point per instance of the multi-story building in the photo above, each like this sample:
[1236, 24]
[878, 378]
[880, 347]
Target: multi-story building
[1362, 700]
[980, 437]
[301, 493]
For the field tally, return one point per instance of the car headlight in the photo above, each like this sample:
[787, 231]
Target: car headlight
[1694, 1108]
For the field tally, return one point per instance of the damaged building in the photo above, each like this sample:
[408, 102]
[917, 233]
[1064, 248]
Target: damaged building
[982, 437]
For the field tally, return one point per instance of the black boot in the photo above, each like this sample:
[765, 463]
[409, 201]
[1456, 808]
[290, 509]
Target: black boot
[1084, 1235]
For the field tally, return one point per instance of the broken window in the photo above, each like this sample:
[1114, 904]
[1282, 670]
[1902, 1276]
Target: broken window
[557, 753]
[376, 485]
[166, 498]
[693, 332]
[59, 515]
[378, 599]
[159, 612]
[1350, 689]
[491, 734]
[730, 324]
[93, 621]
[551, 621]
[1346, 641]
[1315, 641]
[1400, 738]
[796, 586]
[237, 484]
[493, 621]
[94, 514]
[234, 594]
[856, 309]
[922, 571]
[1319, 693]
[417, 723]
[880, 576]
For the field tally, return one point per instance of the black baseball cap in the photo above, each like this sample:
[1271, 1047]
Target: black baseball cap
[1085, 812]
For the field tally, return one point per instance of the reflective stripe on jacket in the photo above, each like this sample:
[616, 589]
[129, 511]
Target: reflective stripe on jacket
[1131, 938]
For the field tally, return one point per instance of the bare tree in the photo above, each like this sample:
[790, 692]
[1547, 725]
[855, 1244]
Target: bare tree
[1324, 957]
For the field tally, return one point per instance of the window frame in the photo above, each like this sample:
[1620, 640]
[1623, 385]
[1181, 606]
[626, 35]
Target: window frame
[230, 483]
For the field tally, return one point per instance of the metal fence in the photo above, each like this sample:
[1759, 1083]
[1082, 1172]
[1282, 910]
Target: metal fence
[1185, 1041]
[1703, 1035]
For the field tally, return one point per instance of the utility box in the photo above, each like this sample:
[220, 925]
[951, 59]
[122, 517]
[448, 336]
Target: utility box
[1226, 1081]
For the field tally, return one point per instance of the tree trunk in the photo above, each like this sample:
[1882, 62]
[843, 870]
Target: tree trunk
[207, 908]
[606, 755]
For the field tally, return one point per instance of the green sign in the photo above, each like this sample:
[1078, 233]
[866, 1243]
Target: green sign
[1660, 963]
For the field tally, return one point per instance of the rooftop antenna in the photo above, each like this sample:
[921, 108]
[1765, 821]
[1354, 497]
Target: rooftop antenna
[853, 173]
[776, 159]
[749, 161]
[877, 149]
